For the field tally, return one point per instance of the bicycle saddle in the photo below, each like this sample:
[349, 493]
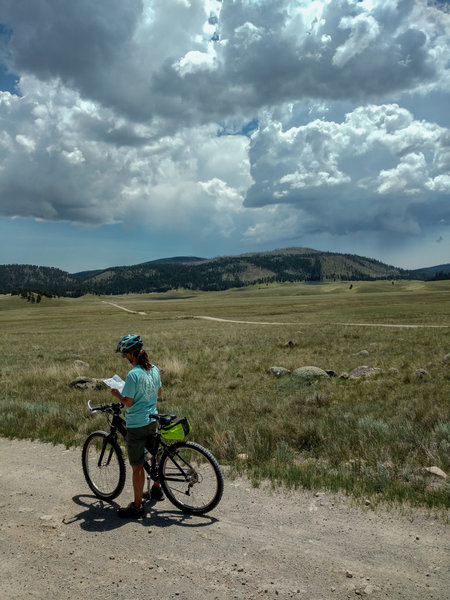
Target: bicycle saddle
[165, 419]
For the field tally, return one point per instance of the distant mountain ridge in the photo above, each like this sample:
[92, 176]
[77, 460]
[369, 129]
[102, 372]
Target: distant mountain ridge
[208, 274]
[433, 270]
[176, 259]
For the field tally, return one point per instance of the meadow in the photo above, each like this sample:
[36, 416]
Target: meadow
[371, 439]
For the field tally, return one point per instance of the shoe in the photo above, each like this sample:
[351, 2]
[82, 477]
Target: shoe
[131, 511]
[156, 493]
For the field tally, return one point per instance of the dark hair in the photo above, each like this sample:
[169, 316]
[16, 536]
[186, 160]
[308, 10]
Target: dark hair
[143, 360]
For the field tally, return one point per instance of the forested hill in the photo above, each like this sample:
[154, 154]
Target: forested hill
[290, 264]
[39, 279]
[436, 272]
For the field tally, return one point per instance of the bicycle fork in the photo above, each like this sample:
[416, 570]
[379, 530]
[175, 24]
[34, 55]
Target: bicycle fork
[101, 462]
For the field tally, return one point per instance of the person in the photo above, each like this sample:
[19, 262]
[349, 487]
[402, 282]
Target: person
[140, 394]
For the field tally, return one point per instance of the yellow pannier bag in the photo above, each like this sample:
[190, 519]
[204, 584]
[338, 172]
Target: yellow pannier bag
[177, 430]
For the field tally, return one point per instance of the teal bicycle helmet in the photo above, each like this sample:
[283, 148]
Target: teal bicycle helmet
[129, 343]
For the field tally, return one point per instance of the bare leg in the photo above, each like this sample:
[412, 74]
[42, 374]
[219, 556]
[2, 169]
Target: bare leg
[138, 484]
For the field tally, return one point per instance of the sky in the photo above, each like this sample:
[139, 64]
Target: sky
[145, 129]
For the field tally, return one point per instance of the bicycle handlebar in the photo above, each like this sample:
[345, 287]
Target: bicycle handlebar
[116, 407]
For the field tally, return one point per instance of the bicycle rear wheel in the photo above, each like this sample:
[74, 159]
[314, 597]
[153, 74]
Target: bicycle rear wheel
[191, 477]
[103, 465]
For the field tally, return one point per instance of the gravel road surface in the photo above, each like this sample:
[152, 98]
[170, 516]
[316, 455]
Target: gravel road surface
[58, 542]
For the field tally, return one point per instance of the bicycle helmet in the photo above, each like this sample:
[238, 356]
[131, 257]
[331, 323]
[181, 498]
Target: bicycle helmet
[129, 343]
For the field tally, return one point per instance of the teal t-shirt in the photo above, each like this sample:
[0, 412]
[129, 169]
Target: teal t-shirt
[143, 387]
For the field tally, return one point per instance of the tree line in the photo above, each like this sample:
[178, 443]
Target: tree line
[205, 275]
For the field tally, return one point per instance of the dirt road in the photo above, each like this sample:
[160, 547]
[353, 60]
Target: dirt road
[59, 543]
[389, 325]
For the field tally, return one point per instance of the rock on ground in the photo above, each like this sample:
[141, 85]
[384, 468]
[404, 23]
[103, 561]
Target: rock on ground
[278, 371]
[363, 371]
[309, 373]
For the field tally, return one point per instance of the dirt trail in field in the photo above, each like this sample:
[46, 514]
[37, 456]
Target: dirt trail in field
[243, 322]
[315, 324]
[284, 323]
[134, 312]
[58, 542]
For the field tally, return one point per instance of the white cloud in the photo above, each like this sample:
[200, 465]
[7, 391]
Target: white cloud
[71, 169]
[26, 142]
[363, 31]
[195, 61]
[441, 184]
[376, 169]
[406, 178]
[75, 157]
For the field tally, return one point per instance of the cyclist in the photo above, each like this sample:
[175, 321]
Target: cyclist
[139, 396]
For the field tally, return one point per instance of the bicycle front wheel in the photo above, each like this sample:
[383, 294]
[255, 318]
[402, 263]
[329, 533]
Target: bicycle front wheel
[103, 465]
[191, 477]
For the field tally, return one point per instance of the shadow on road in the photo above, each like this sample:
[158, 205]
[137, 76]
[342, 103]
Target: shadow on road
[97, 515]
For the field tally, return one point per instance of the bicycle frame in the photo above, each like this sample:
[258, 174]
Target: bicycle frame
[118, 425]
[189, 474]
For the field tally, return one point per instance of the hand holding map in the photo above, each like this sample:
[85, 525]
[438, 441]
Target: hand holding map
[115, 382]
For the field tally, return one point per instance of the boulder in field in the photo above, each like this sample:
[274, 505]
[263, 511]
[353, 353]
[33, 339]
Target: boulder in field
[84, 383]
[310, 373]
[421, 374]
[278, 371]
[363, 371]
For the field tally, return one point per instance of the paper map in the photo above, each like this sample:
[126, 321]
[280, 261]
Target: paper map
[115, 382]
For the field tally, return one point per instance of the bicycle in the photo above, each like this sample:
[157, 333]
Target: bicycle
[189, 474]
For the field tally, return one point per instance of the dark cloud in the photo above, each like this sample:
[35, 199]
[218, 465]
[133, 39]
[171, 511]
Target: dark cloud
[120, 54]
[108, 131]
[74, 41]
[274, 62]
[441, 4]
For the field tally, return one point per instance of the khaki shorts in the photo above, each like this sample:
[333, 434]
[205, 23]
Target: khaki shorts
[136, 438]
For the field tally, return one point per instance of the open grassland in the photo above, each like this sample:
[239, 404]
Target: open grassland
[369, 438]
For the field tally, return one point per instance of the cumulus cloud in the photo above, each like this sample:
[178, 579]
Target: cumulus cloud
[377, 169]
[151, 59]
[364, 30]
[179, 180]
[245, 119]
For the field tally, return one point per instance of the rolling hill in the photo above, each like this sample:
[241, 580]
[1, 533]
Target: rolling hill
[430, 272]
[209, 274]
